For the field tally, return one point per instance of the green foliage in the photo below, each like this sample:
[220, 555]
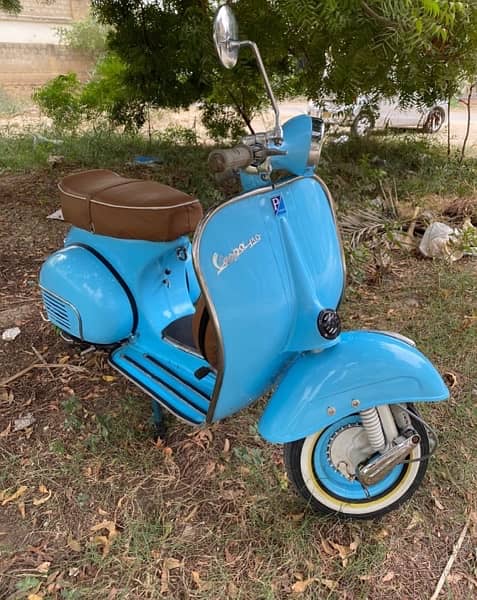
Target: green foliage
[417, 49]
[222, 122]
[107, 95]
[104, 99]
[60, 99]
[86, 35]
[169, 56]
[420, 50]
[11, 6]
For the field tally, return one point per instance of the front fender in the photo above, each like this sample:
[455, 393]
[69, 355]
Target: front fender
[365, 369]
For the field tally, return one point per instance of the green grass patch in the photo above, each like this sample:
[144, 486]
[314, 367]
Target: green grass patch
[412, 165]
[182, 161]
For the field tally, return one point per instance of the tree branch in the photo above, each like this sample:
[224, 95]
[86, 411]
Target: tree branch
[377, 17]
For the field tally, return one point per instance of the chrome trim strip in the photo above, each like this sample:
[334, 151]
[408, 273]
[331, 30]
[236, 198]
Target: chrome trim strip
[73, 308]
[184, 348]
[203, 287]
[394, 334]
[149, 393]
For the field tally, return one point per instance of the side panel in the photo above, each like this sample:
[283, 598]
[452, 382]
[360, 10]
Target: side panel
[84, 298]
[268, 262]
[371, 368]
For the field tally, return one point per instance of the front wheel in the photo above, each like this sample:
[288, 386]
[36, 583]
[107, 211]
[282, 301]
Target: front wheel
[435, 120]
[363, 124]
[322, 466]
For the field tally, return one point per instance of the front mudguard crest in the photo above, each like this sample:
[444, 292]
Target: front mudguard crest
[364, 370]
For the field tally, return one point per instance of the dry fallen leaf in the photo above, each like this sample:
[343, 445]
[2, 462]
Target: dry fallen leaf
[327, 547]
[105, 540]
[299, 587]
[381, 534]
[109, 525]
[168, 565]
[388, 577]
[44, 567]
[343, 551]
[415, 520]
[296, 517]
[226, 445]
[450, 379]
[329, 583]
[232, 589]
[437, 502]
[43, 490]
[21, 490]
[6, 431]
[35, 597]
[73, 544]
[109, 378]
[171, 563]
[21, 509]
[354, 545]
[196, 578]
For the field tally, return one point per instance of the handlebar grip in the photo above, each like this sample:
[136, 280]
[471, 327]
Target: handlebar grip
[235, 158]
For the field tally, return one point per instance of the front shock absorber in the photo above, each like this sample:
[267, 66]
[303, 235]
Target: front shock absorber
[374, 430]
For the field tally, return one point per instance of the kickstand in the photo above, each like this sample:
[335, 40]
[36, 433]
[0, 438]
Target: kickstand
[158, 421]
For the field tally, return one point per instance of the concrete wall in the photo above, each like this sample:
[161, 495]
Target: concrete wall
[30, 53]
[58, 11]
[26, 66]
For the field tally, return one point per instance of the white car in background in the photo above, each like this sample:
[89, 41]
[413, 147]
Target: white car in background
[364, 116]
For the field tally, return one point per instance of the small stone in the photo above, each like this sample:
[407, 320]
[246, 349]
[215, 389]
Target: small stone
[10, 334]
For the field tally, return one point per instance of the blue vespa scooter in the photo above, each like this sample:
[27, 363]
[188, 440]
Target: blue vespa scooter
[247, 309]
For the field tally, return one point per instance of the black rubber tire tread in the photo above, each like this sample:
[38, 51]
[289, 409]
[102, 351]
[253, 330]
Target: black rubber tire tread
[427, 125]
[354, 125]
[292, 455]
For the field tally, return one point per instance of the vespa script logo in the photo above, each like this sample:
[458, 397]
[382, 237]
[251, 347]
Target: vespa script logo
[221, 262]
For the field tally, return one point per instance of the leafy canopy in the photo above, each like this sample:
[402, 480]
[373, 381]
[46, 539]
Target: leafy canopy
[11, 6]
[161, 53]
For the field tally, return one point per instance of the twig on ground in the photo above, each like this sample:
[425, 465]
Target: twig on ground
[450, 562]
[36, 365]
[42, 358]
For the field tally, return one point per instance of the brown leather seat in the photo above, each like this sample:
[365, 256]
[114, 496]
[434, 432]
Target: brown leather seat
[106, 203]
[205, 334]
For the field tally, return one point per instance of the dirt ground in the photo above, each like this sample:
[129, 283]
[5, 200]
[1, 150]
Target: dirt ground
[91, 508]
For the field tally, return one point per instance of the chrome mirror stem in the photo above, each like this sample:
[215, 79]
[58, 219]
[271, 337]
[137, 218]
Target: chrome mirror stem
[277, 132]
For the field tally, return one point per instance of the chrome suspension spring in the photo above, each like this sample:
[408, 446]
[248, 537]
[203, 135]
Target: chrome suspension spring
[372, 425]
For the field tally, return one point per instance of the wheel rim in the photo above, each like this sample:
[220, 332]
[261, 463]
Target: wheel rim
[331, 488]
[334, 481]
[435, 121]
[363, 125]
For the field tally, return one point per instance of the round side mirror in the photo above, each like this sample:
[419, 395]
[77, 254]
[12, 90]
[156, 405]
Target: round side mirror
[226, 36]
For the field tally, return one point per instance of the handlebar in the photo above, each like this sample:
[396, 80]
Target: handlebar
[235, 158]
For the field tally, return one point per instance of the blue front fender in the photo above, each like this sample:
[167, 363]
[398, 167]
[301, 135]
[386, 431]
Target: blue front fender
[369, 367]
